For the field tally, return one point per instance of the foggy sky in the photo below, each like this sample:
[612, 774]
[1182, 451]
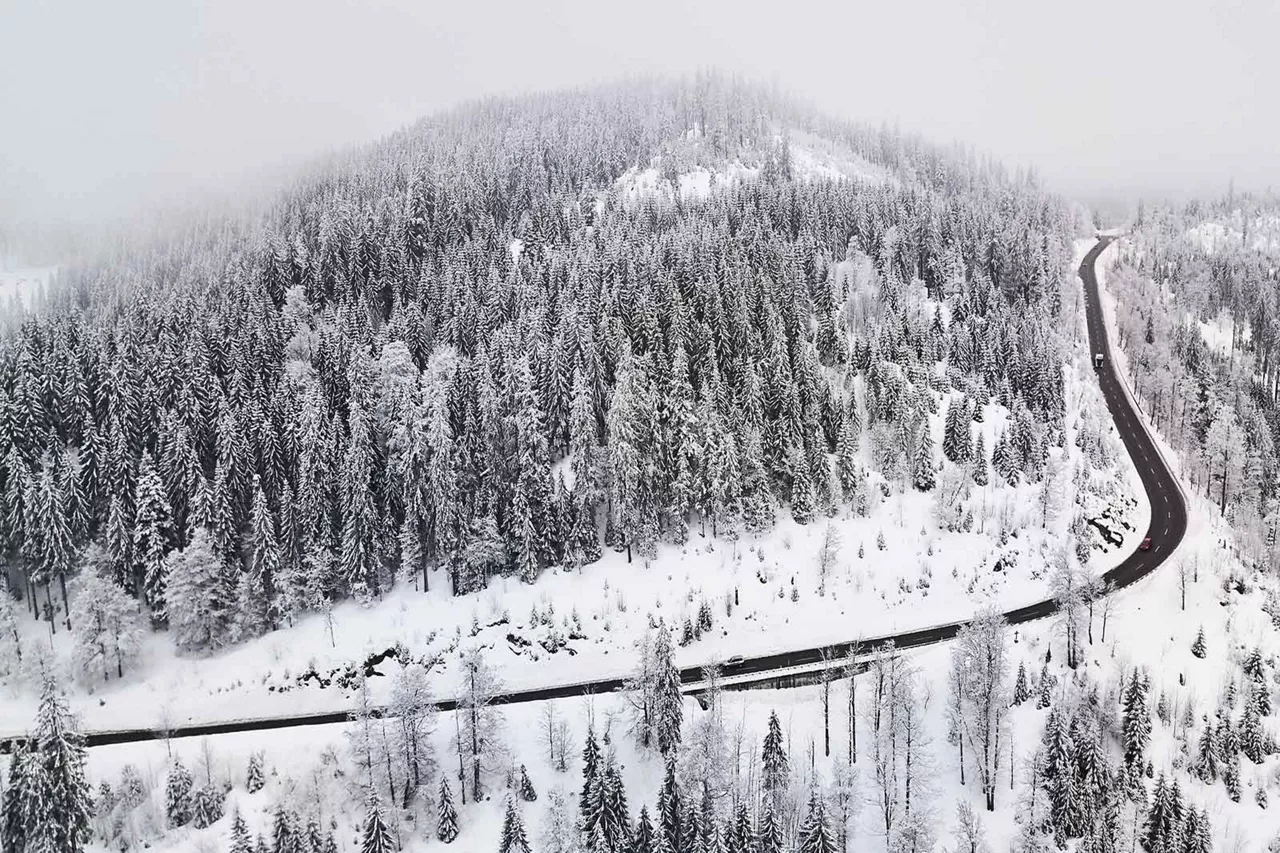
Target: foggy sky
[103, 105]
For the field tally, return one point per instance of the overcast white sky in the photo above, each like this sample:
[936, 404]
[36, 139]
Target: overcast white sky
[102, 103]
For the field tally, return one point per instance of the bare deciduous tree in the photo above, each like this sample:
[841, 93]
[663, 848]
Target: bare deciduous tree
[980, 700]
[478, 739]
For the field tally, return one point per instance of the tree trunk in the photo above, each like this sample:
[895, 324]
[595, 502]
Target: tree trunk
[48, 603]
[826, 716]
[66, 606]
[475, 742]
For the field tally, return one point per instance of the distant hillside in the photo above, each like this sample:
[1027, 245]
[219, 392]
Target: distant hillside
[479, 347]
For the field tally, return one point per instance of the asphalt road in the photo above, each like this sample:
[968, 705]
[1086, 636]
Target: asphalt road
[1168, 525]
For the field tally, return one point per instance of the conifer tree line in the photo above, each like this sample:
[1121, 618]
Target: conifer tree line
[1217, 404]
[459, 353]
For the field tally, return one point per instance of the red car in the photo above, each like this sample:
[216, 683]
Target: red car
[1146, 544]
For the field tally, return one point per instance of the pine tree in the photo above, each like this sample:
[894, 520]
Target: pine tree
[815, 834]
[668, 699]
[770, 832]
[56, 778]
[18, 799]
[802, 493]
[1197, 648]
[283, 832]
[253, 778]
[1160, 827]
[1250, 732]
[447, 817]
[513, 836]
[177, 794]
[978, 465]
[377, 836]
[1206, 762]
[591, 803]
[922, 473]
[616, 822]
[152, 529]
[643, 839]
[669, 806]
[741, 837]
[1135, 723]
[360, 555]
[264, 567]
[240, 841]
[1021, 692]
[199, 612]
[206, 806]
[1231, 777]
[1045, 699]
[527, 793]
[774, 758]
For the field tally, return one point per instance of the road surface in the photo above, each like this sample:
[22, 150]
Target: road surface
[1168, 525]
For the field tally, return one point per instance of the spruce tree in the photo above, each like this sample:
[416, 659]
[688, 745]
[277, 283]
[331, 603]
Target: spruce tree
[513, 838]
[1250, 732]
[591, 802]
[774, 758]
[1135, 722]
[527, 793]
[1206, 761]
[643, 839]
[177, 794]
[152, 529]
[376, 837]
[923, 476]
[206, 806]
[198, 606]
[669, 806]
[240, 841]
[18, 803]
[1197, 648]
[446, 817]
[1231, 777]
[1020, 690]
[62, 799]
[815, 834]
[253, 778]
[283, 833]
[668, 699]
[978, 465]
[770, 832]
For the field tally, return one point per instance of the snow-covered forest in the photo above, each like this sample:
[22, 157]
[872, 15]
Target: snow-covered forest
[461, 353]
[546, 388]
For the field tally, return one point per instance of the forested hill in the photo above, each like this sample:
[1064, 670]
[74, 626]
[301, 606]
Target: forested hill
[471, 347]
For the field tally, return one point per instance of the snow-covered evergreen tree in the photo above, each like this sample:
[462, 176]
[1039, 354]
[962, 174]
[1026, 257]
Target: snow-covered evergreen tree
[513, 839]
[446, 816]
[198, 605]
[376, 837]
[177, 794]
[815, 832]
[774, 759]
[152, 532]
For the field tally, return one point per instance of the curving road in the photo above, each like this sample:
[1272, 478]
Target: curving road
[1168, 525]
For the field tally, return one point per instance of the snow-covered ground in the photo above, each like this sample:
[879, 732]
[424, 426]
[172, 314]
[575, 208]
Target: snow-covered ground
[812, 158]
[1145, 627]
